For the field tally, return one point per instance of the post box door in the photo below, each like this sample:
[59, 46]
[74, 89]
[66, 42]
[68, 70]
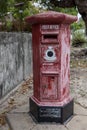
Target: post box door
[49, 87]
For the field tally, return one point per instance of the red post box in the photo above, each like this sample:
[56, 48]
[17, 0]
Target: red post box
[51, 101]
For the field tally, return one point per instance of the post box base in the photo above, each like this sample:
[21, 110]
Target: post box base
[58, 114]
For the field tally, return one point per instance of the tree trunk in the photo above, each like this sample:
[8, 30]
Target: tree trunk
[86, 27]
[82, 8]
[80, 4]
[63, 3]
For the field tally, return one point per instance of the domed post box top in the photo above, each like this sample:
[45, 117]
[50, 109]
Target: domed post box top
[51, 17]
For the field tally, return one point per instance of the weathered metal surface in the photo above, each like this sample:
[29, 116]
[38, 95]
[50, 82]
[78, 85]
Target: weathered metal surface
[49, 87]
[51, 17]
[51, 57]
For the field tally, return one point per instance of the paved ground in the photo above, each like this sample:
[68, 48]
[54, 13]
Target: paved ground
[15, 109]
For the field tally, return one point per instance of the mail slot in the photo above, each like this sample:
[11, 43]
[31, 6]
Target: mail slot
[50, 36]
[51, 100]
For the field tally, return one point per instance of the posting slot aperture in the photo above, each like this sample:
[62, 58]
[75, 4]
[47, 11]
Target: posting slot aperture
[50, 36]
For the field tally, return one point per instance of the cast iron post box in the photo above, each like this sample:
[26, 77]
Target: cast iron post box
[51, 101]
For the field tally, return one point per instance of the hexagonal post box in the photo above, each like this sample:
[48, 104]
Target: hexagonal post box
[51, 101]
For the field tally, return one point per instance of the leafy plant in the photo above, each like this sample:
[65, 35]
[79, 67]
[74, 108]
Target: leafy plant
[18, 9]
[79, 38]
[78, 25]
[3, 12]
[8, 25]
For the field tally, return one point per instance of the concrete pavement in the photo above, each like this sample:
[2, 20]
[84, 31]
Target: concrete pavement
[19, 119]
[16, 109]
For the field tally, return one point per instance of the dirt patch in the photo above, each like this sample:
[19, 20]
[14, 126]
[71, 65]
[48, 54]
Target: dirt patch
[2, 119]
[80, 53]
[78, 82]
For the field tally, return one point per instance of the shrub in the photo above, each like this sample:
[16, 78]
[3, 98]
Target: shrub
[79, 39]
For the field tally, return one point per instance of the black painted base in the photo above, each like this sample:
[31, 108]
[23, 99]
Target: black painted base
[56, 114]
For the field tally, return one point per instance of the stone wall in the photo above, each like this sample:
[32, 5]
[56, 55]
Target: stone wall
[15, 60]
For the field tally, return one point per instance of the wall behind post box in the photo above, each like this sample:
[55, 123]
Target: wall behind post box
[15, 60]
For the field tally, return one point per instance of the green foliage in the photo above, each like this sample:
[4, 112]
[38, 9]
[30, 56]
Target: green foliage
[70, 11]
[18, 13]
[79, 38]
[78, 25]
[3, 7]
[8, 25]
[3, 12]
[49, 6]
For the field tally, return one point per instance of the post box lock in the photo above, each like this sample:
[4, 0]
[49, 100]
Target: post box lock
[50, 54]
[45, 86]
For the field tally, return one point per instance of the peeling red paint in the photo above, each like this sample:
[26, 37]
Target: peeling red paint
[51, 57]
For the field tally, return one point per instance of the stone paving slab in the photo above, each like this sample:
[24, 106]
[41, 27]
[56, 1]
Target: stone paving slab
[78, 123]
[21, 109]
[49, 127]
[79, 110]
[20, 121]
[4, 127]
